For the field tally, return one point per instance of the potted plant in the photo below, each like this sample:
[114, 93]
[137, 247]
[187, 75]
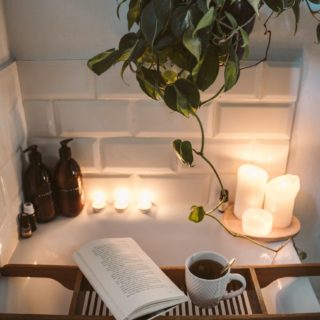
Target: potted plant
[179, 48]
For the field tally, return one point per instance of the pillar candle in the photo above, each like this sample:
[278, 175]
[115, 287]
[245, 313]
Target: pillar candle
[280, 197]
[251, 183]
[256, 222]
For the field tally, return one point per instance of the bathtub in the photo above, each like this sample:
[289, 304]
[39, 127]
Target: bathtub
[165, 234]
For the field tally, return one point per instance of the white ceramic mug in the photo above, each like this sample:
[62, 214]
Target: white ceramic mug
[208, 292]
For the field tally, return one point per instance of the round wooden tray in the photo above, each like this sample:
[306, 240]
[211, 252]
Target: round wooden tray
[235, 225]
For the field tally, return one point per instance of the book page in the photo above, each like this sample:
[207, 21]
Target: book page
[129, 278]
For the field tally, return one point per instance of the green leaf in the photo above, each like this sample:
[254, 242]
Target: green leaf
[181, 57]
[245, 38]
[163, 10]
[231, 19]
[128, 41]
[203, 5]
[231, 71]
[296, 12]
[197, 214]
[183, 151]
[318, 33]
[206, 20]
[150, 25]
[255, 5]
[118, 7]
[180, 21]
[206, 71]
[133, 14]
[103, 61]
[187, 91]
[182, 96]
[170, 98]
[315, 1]
[192, 43]
[169, 76]
[151, 82]
[275, 5]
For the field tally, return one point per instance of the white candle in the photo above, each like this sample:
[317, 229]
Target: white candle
[280, 197]
[144, 201]
[99, 201]
[256, 222]
[251, 183]
[122, 197]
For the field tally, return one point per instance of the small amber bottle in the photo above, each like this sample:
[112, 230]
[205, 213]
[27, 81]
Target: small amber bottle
[68, 182]
[37, 186]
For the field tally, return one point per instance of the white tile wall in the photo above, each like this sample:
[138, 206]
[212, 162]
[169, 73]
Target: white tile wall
[56, 79]
[92, 118]
[132, 155]
[154, 119]
[12, 142]
[281, 80]
[40, 118]
[120, 131]
[255, 120]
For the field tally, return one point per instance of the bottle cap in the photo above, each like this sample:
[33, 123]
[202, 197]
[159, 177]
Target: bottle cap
[34, 155]
[65, 151]
[28, 208]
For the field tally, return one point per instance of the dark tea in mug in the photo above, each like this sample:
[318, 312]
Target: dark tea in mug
[206, 269]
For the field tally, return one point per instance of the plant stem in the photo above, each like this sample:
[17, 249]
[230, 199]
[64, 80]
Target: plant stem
[210, 99]
[239, 235]
[201, 154]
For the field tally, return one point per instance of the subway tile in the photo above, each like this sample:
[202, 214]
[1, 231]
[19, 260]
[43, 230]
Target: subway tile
[40, 118]
[84, 151]
[225, 155]
[110, 85]
[271, 155]
[9, 236]
[92, 118]
[17, 128]
[245, 88]
[65, 79]
[5, 142]
[11, 178]
[185, 188]
[154, 119]
[258, 120]
[9, 88]
[280, 79]
[228, 155]
[133, 155]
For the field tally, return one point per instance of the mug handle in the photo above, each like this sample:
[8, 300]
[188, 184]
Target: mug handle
[241, 279]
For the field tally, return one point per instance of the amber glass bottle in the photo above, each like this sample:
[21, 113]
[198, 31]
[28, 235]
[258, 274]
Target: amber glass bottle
[37, 186]
[68, 182]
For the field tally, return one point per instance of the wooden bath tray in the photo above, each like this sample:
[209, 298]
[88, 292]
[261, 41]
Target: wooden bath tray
[87, 305]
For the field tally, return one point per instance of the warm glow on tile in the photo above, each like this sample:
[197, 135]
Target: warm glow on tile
[145, 200]
[98, 200]
[122, 198]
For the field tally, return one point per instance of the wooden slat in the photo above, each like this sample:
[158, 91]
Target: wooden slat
[304, 316]
[257, 277]
[77, 296]
[268, 274]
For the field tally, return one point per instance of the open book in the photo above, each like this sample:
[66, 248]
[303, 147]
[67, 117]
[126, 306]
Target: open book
[126, 279]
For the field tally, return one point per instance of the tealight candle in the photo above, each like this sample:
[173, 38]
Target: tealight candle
[280, 197]
[251, 183]
[122, 197]
[144, 201]
[99, 201]
[256, 222]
